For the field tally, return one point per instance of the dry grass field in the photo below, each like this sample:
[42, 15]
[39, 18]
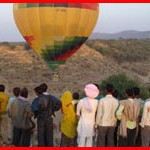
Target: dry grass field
[19, 67]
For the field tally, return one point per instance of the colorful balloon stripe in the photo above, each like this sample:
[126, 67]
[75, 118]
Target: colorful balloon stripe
[63, 50]
[69, 5]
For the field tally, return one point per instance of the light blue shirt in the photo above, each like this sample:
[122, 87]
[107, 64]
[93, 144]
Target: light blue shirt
[10, 101]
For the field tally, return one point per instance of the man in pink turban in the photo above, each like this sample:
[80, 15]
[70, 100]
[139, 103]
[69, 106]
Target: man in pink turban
[86, 110]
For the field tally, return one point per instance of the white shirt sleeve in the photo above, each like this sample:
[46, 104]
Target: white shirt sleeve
[79, 106]
[144, 115]
[74, 102]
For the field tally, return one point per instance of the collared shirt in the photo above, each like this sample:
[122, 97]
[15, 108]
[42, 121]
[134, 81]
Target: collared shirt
[146, 115]
[45, 93]
[106, 111]
[130, 124]
[40, 103]
[147, 100]
[20, 113]
[10, 101]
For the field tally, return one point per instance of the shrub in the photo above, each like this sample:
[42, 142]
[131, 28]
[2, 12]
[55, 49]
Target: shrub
[12, 46]
[5, 44]
[121, 82]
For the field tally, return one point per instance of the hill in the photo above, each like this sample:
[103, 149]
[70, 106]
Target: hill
[20, 67]
[130, 34]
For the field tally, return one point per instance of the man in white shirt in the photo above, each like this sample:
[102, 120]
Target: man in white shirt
[106, 119]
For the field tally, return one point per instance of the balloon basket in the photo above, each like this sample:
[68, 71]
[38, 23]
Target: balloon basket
[55, 76]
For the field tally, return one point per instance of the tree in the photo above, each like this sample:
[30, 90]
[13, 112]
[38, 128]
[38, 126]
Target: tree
[121, 82]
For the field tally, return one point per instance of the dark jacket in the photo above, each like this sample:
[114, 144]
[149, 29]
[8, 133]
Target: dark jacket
[45, 106]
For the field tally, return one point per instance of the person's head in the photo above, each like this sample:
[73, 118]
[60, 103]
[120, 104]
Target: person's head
[24, 92]
[2, 88]
[91, 91]
[38, 90]
[97, 86]
[44, 87]
[75, 95]
[109, 88]
[16, 91]
[136, 91]
[129, 93]
[115, 93]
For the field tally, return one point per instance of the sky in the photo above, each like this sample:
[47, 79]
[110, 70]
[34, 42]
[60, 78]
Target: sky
[112, 18]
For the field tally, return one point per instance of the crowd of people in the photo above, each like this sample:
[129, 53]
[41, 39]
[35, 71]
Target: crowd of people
[93, 120]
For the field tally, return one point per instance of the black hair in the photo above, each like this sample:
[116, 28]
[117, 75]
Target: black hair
[136, 91]
[16, 91]
[109, 88]
[44, 87]
[75, 95]
[38, 90]
[115, 93]
[97, 86]
[24, 92]
[2, 88]
[129, 92]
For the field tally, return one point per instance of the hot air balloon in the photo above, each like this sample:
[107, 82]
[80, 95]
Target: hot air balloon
[55, 30]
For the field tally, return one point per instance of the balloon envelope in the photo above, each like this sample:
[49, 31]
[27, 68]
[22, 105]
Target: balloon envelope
[56, 30]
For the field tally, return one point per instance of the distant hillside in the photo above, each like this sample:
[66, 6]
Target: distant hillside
[93, 63]
[130, 34]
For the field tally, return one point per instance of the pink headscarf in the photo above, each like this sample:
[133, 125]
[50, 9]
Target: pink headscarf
[91, 91]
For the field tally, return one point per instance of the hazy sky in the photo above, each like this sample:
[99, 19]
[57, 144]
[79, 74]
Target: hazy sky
[113, 18]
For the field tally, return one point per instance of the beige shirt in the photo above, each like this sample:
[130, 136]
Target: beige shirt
[130, 124]
[106, 111]
[145, 121]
